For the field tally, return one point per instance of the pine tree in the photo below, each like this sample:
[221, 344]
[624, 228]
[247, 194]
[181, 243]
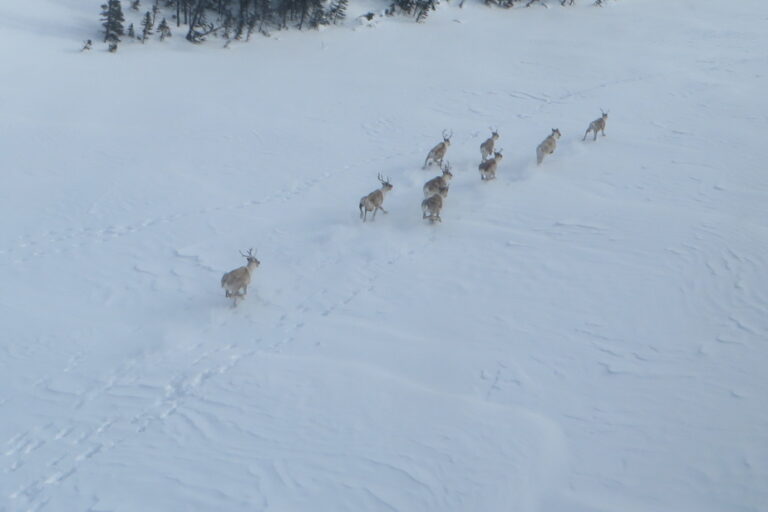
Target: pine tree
[112, 15]
[155, 10]
[135, 4]
[337, 11]
[310, 11]
[418, 8]
[264, 14]
[146, 26]
[404, 6]
[227, 22]
[502, 3]
[423, 7]
[131, 31]
[318, 17]
[199, 26]
[164, 30]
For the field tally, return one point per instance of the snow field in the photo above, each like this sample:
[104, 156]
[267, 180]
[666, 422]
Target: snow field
[586, 335]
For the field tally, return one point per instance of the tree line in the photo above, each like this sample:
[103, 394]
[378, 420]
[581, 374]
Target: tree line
[240, 19]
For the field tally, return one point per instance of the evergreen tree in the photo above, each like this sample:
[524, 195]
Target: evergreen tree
[112, 15]
[237, 19]
[282, 8]
[146, 26]
[337, 11]
[318, 17]
[418, 8]
[310, 11]
[198, 23]
[227, 24]
[164, 30]
[423, 7]
[155, 10]
[264, 14]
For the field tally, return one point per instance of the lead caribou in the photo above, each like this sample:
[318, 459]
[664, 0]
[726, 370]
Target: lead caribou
[235, 282]
[374, 200]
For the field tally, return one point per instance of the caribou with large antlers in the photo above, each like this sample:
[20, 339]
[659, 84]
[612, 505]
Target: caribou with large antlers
[374, 200]
[439, 184]
[437, 153]
[235, 282]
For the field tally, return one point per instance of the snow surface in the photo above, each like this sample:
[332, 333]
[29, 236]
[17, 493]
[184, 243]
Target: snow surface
[585, 336]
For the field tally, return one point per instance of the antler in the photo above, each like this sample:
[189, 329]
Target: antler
[249, 255]
[446, 166]
[448, 137]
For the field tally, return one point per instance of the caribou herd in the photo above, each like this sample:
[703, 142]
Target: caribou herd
[235, 282]
[436, 189]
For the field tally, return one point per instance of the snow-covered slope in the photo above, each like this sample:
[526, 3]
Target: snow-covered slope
[587, 335]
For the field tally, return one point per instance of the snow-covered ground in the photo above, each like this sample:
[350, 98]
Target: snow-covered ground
[584, 336]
